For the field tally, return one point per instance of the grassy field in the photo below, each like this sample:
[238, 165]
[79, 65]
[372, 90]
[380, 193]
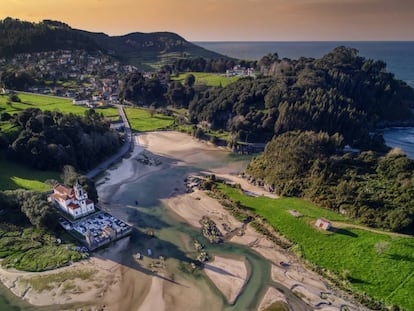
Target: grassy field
[49, 103]
[387, 276]
[31, 249]
[15, 176]
[141, 120]
[210, 79]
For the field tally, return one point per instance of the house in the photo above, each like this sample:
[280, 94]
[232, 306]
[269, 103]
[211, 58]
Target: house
[73, 201]
[323, 223]
[83, 102]
[117, 125]
[114, 98]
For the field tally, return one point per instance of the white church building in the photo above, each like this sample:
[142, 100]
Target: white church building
[73, 201]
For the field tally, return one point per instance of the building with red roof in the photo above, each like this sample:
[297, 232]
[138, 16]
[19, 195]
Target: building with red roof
[323, 223]
[73, 201]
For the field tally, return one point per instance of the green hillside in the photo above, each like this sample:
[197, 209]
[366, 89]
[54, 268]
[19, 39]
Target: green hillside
[143, 50]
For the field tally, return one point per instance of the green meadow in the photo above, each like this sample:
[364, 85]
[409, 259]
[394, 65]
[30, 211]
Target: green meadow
[386, 276]
[141, 120]
[210, 79]
[51, 103]
[16, 176]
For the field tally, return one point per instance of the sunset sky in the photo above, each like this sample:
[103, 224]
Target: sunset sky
[230, 20]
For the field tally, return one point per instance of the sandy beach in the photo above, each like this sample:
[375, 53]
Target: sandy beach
[117, 283]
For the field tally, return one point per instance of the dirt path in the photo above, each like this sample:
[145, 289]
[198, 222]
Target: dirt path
[338, 224]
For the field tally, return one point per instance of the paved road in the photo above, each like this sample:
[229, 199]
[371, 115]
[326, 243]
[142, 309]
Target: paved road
[128, 145]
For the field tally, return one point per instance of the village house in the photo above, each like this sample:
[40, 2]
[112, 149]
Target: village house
[73, 201]
[240, 71]
[323, 223]
[117, 125]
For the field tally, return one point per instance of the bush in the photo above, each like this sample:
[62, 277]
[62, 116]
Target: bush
[14, 98]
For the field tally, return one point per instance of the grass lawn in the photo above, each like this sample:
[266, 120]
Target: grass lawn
[141, 120]
[16, 176]
[51, 103]
[388, 276]
[210, 79]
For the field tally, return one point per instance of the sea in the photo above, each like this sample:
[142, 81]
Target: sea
[398, 55]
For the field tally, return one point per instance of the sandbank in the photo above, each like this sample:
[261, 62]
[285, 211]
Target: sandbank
[272, 295]
[228, 274]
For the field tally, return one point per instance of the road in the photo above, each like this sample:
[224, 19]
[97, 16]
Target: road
[127, 146]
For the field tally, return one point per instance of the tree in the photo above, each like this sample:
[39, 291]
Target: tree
[13, 97]
[189, 80]
[152, 110]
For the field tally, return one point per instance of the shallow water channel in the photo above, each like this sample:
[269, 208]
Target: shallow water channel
[173, 239]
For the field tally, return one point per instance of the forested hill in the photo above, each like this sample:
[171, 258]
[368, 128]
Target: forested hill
[341, 92]
[374, 189]
[25, 37]
[136, 48]
[157, 47]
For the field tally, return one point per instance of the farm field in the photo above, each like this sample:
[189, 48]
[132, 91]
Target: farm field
[15, 176]
[350, 253]
[51, 103]
[140, 120]
[210, 79]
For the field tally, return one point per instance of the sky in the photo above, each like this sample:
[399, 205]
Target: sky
[230, 20]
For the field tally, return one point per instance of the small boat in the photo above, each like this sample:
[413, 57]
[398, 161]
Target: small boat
[138, 256]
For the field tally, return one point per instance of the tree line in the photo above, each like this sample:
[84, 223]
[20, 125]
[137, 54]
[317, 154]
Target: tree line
[374, 189]
[18, 36]
[201, 64]
[49, 140]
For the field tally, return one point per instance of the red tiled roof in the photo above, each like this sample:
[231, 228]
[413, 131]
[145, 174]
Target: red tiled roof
[59, 197]
[63, 190]
[73, 206]
[55, 196]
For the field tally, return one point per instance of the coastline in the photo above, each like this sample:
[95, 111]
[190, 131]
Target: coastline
[125, 287]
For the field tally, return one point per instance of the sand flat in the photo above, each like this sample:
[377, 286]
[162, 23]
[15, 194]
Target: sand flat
[228, 274]
[272, 295]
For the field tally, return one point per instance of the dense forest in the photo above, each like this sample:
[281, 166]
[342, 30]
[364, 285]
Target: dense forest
[339, 93]
[373, 189]
[25, 37]
[49, 140]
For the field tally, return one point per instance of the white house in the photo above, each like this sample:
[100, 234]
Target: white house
[73, 201]
[118, 125]
[323, 223]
